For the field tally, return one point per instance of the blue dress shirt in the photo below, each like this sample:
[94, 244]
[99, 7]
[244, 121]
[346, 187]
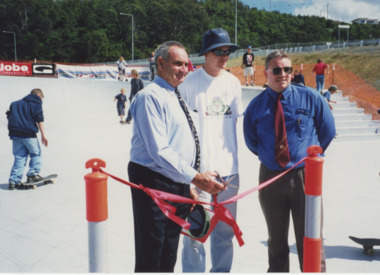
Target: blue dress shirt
[308, 120]
[162, 139]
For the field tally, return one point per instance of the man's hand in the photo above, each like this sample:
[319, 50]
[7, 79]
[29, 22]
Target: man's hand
[195, 196]
[206, 181]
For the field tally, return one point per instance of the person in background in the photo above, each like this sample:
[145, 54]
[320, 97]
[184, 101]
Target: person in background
[215, 95]
[247, 65]
[152, 67]
[120, 105]
[121, 65]
[298, 78]
[25, 120]
[279, 125]
[319, 73]
[330, 91]
[164, 156]
[136, 85]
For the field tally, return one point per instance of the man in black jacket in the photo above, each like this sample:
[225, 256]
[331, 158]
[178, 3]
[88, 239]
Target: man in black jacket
[25, 119]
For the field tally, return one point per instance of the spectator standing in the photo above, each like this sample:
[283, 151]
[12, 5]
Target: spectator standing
[152, 66]
[121, 104]
[247, 65]
[319, 73]
[279, 125]
[25, 120]
[215, 95]
[136, 85]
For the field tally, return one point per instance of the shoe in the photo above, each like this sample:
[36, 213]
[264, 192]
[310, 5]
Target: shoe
[12, 186]
[252, 84]
[128, 122]
[34, 178]
[246, 84]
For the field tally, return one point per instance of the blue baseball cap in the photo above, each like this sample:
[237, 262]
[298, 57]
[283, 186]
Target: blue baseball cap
[216, 38]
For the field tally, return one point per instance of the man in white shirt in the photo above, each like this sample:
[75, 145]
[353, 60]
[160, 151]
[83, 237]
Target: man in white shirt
[214, 95]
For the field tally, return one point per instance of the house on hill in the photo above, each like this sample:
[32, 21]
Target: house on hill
[365, 21]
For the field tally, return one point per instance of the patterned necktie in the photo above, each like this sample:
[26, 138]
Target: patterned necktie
[281, 140]
[193, 130]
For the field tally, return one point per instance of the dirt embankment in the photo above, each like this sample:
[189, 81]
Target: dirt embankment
[353, 86]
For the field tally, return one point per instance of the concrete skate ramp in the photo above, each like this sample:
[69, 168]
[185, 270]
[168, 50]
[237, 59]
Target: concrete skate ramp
[45, 230]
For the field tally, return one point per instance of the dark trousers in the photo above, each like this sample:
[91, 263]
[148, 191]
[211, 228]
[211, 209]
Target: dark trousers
[278, 200]
[152, 72]
[156, 236]
[129, 117]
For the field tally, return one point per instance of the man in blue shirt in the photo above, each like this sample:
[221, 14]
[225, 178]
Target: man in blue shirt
[308, 121]
[163, 157]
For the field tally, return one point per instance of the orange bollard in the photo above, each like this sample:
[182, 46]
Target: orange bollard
[96, 191]
[97, 214]
[313, 210]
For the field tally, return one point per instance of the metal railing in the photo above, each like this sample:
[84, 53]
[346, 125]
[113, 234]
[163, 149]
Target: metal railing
[357, 46]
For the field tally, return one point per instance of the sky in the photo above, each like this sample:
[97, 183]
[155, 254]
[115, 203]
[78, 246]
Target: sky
[341, 10]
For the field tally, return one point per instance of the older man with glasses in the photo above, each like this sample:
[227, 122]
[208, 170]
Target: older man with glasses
[164, 156]
[215, 96]
[279, 125]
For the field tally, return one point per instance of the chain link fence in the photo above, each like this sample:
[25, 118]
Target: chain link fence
[368, 46]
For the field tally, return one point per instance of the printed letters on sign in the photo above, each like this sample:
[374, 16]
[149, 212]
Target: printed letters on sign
[11, 68]
[43, 69]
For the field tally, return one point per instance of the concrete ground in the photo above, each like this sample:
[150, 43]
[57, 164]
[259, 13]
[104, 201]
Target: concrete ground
[45, 230]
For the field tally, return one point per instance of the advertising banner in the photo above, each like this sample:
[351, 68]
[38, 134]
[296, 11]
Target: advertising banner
[43, 69]
[104, 72]
[15, 68]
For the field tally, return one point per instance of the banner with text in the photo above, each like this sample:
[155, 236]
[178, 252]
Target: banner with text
[15, 68]
[104, 72]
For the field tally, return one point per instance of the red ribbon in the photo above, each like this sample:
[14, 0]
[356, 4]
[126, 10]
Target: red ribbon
[221, 212]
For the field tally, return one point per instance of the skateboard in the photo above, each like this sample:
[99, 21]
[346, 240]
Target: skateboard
[367, 244]
[44, 180]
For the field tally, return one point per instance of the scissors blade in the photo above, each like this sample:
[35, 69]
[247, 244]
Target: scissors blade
[230, 179]
[225, 183]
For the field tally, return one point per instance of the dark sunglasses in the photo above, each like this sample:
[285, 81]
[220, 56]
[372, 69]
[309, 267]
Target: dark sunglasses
[277, 71]
[219, 52]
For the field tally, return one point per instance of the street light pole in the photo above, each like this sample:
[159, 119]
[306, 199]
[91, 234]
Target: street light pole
[14, 41]
[133, 24]
[236, 22]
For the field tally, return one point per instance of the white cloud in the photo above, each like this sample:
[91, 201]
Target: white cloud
[343, 10]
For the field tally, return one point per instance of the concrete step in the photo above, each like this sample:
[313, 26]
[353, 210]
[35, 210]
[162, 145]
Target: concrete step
[356, 123]
[352, 116]
[347, 110]
[340, 99]
[352, 124]
[357, 130]
[356, 137]
[344, 105]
